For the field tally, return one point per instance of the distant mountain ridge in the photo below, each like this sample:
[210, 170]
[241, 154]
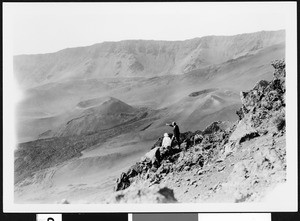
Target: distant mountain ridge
[89, 112]
[56, 84]
[139, 58]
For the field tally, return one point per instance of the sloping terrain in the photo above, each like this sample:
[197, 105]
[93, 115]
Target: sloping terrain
[54, 100]
[91, 112]
[241, 163]
[97, 114]
[139, 58]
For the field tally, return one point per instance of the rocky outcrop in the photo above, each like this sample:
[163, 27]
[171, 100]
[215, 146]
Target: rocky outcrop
[263, 106]
[172, 159]
[154, 194]
[256, 143]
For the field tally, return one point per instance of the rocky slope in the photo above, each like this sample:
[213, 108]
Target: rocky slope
[77, 110]
[239, 162]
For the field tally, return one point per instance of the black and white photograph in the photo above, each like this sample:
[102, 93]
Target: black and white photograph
[150, 106]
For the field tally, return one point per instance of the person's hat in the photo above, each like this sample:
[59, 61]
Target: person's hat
[173, 123]
[166, 135]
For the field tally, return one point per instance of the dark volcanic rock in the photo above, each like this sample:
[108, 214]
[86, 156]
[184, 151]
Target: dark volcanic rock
[198, 93]
[123, 182]
[214, 127]
[262, 114]
[154, 194]
[259, 105]
[265, 96]
[240, 113]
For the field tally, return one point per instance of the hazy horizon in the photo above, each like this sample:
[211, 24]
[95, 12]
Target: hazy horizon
[158, 40]
[50, 27]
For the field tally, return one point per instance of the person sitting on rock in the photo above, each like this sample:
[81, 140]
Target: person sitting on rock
[176, 132]
[166, 141]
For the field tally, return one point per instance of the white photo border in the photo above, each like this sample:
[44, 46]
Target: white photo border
[288, 201]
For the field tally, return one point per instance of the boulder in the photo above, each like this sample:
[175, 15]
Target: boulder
[240, 113]
[64, 201]
[279, 66]
[123, 182]
[214, 127]
[153, 194]
[198, 139]
[152, 154]
[243, 129]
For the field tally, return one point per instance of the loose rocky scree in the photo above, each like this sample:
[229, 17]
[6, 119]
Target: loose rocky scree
[227, 162]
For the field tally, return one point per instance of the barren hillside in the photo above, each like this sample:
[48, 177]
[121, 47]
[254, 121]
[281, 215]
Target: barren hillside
[92, 111]
[238, 163]
[139, 58]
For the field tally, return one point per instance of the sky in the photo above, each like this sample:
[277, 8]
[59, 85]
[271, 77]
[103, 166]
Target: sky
[49, 27]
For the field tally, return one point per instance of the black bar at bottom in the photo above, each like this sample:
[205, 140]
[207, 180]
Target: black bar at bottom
[18, 217]
[285, 216]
